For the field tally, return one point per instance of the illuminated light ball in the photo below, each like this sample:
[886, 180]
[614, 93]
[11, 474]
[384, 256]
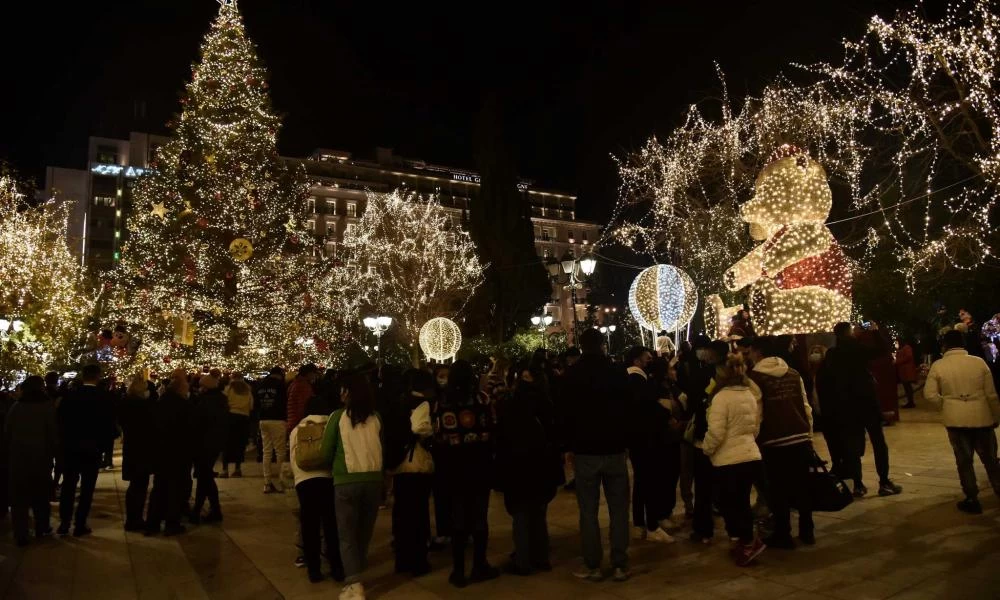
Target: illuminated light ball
[663, 298]
[440, 339]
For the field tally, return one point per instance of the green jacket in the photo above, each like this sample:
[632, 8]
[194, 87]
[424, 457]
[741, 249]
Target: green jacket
[355, 452]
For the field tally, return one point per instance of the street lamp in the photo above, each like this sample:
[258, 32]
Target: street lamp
[542, 322]
[608, 330]
[378, 325]
[577, 270]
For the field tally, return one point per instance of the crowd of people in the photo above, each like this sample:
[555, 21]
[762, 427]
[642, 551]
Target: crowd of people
[709, 424]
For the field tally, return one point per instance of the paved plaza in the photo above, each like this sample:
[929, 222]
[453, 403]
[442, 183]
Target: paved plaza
[907, 547]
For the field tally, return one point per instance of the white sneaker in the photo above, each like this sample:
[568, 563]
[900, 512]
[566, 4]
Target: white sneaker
[354, 591]
[638, 533]
[668, 525]
[588, 574]
[658, 535]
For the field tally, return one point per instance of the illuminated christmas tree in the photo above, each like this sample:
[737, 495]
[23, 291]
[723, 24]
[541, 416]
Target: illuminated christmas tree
[44, 297]
[217, 265]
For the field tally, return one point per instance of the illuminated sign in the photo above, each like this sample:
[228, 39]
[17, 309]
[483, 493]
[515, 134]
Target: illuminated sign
[473, 178]
[115, 170]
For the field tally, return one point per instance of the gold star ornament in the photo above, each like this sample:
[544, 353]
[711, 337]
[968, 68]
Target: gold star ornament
[160, 210]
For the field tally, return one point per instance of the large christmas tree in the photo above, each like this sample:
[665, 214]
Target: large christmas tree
[217, 265]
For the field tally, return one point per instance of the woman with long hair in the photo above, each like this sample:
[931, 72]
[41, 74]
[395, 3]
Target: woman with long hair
[731, 444]
[240, 399]
[352, 444]
[135, 414]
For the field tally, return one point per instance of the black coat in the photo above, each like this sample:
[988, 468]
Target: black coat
[136, 415]
[596, 407]
[528, 462]
[173, 434]
[31, 438]
[847, 394]
[86, 416]
[209, 426]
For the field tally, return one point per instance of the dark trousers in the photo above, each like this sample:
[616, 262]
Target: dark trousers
[686, 478]
[734, 483]
[38, 501]
[84, 472]
[610, 473]
[166, 499]
[703, 483]
[852, 460]
[531, 536]
[236, 440]
[968, 441]
[442, 506]
[135, 499]
[107, 453]
[656, 470]
[318, 515]
[207, 489]
[5, 500]
[788, 474]
[908, 390]
[411, 520]
[470, 504]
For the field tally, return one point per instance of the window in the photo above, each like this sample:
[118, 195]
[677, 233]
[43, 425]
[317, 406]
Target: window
[331, 206]
[311, 204]
[349, 229]
[548, 234]
[331, 249]
[538, 232]
[571, 238]
[546, 253]
[352, 209]
[104, 200]
[107, 155]
[585, 242]
[311, 226]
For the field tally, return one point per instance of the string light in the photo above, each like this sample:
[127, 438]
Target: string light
[663, 298]
[440, 339]
[909, 112]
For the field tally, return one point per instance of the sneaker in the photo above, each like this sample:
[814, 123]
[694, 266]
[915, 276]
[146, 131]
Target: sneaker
[63, 529]
[458, 579]
[620, 575]
[668, 525]
[269, 488]
[860, 490]
[970, 506]
[237, 473]
[699, 538]
[781, 542]
[484, 572]
[638, 533]
[82, 531]
[300, 561]
[588, 574]
[661, 536]
[751, 552]
[44, 533]
[888, 488]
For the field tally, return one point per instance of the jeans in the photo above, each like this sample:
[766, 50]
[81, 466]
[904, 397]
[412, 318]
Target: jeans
[611, 472]
[531, 537]
[879, 448]
[317, 515]
[357, 508]
[470, 507]
[411, 520]
[654, 495]
[734, 483]
[686, 479]
[788, 478]
[273, 436]
[135, 499]
[84, 472]
[981, 441]
[704, 476]
[442, 506]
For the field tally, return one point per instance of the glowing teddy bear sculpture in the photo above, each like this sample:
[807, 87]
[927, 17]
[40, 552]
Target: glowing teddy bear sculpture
[799, 278]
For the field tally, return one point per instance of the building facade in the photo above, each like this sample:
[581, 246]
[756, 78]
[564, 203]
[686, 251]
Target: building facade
[99, 200]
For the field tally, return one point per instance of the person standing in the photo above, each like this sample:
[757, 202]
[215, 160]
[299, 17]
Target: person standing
[138, 448]
[906, 370]
[240, 400]
[172, 458]
[412, 478]
[962, 385]
[850, 408]
[730, 444]
[209, 425]
[529, 467]
[464, 426]
[270, 401]
[597, 420]
[785, 440]
[87, 424]
[30, 437]
[700, 397]
[352, 444]
[314, 488]
[55, 392]
[647, 453]
[300, 391]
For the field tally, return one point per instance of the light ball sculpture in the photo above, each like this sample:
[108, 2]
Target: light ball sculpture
[663, 298]
[440, 339]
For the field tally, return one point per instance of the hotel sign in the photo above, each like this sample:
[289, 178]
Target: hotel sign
[115, 170]
[474, 178]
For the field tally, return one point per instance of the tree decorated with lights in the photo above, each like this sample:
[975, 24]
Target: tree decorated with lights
[216, 269]
[406, 257]
[907, 127]
[44, 296]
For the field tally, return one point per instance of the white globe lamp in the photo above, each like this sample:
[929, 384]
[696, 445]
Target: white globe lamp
[440, 339]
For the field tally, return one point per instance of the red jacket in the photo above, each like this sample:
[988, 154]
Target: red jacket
[300, 391]
[906, 365]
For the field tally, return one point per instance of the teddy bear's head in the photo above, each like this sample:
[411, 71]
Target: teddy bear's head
[791, 189]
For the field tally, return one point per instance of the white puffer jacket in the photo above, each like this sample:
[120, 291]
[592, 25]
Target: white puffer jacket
[733, 425]
[962, 386]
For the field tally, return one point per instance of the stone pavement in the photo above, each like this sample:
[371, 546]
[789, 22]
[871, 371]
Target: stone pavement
[907, 547]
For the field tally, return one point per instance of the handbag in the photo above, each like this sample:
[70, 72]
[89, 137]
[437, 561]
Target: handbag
[827, 492]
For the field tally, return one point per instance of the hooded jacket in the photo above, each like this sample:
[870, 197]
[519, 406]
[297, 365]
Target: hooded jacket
[732, 427]
[962, 386]
[785, 414]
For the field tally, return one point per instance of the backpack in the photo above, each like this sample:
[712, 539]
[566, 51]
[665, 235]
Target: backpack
[309, 447]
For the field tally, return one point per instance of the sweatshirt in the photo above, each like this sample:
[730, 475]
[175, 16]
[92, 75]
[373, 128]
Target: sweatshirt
[354, 451]
[270, 399]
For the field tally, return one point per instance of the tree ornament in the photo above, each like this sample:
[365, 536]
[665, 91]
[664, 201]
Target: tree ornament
[202, 222]
[663, 298]
[241, 249]
[440, 339]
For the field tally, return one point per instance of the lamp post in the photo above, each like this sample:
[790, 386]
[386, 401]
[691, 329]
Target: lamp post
[577, 271]
[542, 322]
[608, 330]
[378, 325]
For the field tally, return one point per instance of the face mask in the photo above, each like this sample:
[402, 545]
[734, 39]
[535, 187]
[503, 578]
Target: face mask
[815, 357]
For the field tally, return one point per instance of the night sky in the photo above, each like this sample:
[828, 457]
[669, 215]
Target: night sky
[580, 81]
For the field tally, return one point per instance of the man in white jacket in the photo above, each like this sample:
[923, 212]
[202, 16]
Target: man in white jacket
[963, 386]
